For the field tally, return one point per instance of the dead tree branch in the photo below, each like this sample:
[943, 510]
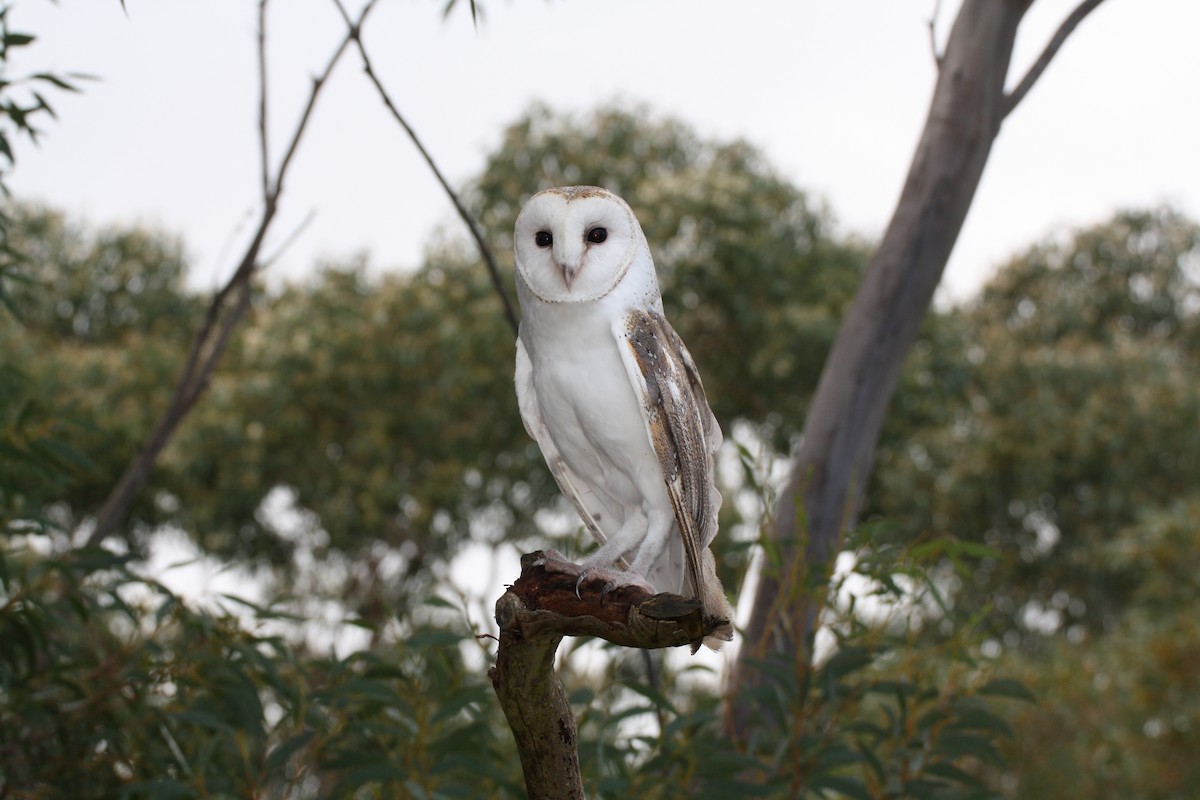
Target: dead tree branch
[484, 251]
[534, 615]
[228, 305]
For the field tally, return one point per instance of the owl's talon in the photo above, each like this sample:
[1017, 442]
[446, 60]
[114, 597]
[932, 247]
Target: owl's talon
[595, 573]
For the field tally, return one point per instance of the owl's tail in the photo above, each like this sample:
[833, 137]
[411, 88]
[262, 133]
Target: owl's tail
[714, 605]
[669, 574]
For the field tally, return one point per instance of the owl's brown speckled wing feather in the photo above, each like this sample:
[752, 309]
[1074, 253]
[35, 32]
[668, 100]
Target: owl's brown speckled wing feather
[686, 437]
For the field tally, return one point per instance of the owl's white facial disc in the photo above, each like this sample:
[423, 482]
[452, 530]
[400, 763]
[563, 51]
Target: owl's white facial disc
[574, 244]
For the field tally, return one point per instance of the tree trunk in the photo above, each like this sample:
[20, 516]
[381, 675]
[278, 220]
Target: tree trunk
[842, 428]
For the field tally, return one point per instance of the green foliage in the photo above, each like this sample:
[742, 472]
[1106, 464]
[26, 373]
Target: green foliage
[102, 287]
[1120, 715]
[1133, 277]
[22, 101]
[35, 464]
[111, 685]
[103, 323]
[892, 712]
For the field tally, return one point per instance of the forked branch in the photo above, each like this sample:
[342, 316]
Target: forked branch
[1052, 47]
[226, 309]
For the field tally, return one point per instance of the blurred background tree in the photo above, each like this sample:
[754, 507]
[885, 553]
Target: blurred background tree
[1067, 419]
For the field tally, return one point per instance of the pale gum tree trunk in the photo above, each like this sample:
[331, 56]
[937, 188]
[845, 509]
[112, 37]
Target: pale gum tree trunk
[860, 374]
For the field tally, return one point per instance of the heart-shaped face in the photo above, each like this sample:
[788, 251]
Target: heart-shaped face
[574, 244]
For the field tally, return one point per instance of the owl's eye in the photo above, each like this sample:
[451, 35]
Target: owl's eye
[543, 239]
[597, 235]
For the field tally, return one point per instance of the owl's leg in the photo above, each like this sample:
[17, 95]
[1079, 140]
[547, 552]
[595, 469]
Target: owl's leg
[599, 563]
[622, 541]
[658, 532]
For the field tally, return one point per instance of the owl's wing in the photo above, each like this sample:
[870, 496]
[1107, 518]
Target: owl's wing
[685, 436]
[587, 502]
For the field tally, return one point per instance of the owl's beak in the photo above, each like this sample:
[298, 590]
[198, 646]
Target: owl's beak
[569, 272]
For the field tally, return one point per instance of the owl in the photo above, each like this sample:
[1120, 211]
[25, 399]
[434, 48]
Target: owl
[612, 397]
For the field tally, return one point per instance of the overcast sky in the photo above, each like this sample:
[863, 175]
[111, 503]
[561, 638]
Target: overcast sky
[834, 91]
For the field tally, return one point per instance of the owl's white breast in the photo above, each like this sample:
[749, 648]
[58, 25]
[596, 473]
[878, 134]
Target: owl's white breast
[588, 404]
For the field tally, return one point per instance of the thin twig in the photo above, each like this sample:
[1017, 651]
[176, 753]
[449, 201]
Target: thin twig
[288, 240]
[484, 251]
[317, 83]
[262, 97]
[1052, 47]
[933, 46]
[220, 318]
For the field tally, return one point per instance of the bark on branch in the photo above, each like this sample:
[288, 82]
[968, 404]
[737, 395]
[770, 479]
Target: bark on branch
[534, 615]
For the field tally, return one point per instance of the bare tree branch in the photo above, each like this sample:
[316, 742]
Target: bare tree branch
[288, 241]
[317, 84]
[1052, 47]
[262, 97]
[228, 306]
[534, 615]
[484, 251]
[933, 45]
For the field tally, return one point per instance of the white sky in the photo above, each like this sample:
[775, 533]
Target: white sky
[835, 92]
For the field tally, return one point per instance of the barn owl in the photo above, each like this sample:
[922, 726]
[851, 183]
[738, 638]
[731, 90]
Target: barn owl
[607, 389]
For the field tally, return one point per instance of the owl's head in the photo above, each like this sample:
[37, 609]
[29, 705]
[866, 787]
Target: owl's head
[575, 243]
